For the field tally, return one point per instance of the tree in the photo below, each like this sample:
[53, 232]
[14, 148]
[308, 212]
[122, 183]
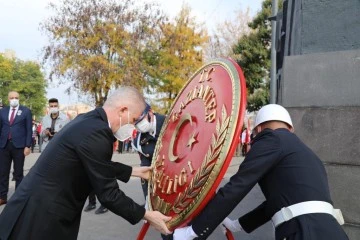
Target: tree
[26, 78]
[6, 75]
[227, 34]
[178, 54]
[99, 44]
[253, 55]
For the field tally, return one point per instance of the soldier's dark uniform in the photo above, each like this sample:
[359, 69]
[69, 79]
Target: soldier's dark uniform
[144, 144]
[288, 172]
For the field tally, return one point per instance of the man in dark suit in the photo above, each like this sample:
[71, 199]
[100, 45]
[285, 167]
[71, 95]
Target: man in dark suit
[292, 178]
[148, 129]
[49, 202]
[15, 142]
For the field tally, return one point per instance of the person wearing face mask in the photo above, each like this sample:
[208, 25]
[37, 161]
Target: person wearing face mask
[52, 123]
[48, 204]
[148, 127]
[92, 197]
[15, 142]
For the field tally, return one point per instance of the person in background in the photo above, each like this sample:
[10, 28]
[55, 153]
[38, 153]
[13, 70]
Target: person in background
[144, 140]
[38, 134]
[15, 142]
[120, 147]
[148, 127]
[126, 145]
[292, 178]
[34, 136]
[52, 123]
[245, 141]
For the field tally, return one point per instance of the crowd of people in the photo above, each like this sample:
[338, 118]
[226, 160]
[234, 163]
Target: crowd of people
[75, 163]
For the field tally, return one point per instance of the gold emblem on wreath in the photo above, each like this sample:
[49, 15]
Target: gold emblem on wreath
[193, 189]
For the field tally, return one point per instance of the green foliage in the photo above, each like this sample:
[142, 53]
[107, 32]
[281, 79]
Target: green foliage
[26, 78]
[176, 56]
[253, 51]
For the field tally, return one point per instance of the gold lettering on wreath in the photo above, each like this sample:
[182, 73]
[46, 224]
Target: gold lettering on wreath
[205, 74]
[202, 92]
[207, 95]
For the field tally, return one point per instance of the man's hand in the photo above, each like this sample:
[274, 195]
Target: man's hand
[232, 225]
[185, 233]
[48, 133]
[141, 172]
[26, 151]
[158, 221]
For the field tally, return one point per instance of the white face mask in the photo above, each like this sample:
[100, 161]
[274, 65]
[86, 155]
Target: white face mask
[125, 131]
[14, 102]
[54, 110]
[145, 126]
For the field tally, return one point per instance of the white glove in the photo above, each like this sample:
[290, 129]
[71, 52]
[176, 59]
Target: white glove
[232, 225]
[146, 204]
[185, 233]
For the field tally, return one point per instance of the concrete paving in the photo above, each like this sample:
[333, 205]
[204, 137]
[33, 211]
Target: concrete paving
[109, 226]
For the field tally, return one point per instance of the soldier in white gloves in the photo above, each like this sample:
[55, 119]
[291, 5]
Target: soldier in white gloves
[292, 179]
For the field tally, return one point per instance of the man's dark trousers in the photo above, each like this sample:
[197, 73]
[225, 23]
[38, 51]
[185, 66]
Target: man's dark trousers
[92, 198]
[8, 154]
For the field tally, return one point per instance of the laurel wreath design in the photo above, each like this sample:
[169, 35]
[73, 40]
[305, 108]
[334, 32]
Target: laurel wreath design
[192, 190]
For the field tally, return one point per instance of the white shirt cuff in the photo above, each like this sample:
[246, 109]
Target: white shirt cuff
[191, 232]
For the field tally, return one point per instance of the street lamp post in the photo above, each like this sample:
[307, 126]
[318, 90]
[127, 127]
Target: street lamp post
[273, 87]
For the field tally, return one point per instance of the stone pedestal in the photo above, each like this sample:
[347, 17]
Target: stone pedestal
[322, 93]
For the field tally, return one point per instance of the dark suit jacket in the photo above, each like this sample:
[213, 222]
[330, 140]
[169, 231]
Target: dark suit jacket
[288, 172]
[49, 201]
[21, 129]
[147, 142]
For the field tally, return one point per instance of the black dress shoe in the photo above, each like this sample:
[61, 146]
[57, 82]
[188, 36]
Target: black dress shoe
[101, 210]
[89, 207]
[2, 201]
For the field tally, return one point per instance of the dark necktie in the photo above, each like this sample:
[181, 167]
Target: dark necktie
[11, 121]
[12, 116]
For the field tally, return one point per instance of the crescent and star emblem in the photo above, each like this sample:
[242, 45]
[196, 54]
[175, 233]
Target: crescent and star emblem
[185, 118]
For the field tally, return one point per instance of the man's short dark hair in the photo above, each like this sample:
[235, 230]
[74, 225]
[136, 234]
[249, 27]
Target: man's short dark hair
[53, 100]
